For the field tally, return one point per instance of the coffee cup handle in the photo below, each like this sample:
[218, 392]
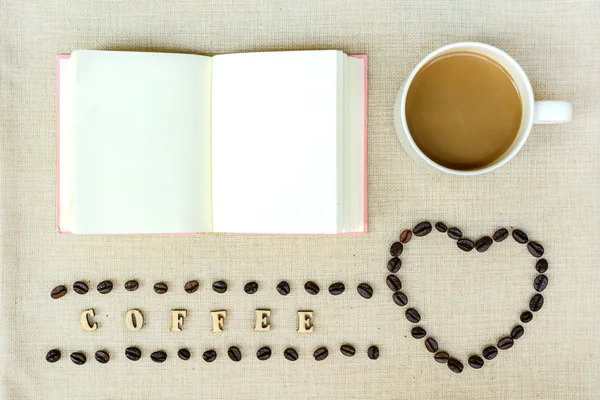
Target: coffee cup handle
[552, 112]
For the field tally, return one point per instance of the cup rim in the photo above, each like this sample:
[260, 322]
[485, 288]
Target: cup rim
[525, 97]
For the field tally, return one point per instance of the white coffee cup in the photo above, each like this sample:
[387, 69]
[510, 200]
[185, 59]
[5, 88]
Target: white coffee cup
[534, 112]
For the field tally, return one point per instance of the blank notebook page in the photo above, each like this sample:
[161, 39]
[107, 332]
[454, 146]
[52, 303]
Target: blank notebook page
[274, 142]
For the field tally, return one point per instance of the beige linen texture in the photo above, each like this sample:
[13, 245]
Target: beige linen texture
[551, 190]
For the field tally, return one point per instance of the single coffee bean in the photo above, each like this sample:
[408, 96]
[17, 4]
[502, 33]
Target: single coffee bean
[394, 264]
[219, 286]
[209, 356]
[184, 354]
[465, 244]
[541, 265]
[321, 353]
[455, 365]
[540, 282]
[476, 362]
[133, 353]
[500, 235]
[311, 288]
[441, 227]
[161, 288]
[405, 236]
[422, 228]
[365, 290]
[396, 249]
[347, 350]
[158, 356]
[234, 354]
[393, 282]
[53, 356]
[80, 287]
[102, 356]
[520, 236]
[442, 357]
[517, 332]
[373, 352]
[400, 299]
[78, 358]
[105, 287]
[58, 292]
[526, 317]
[336, 288]
[535, 249]
[505, 343]
[418, 333]
[536, 302]
[191, 286]
[412, 315]
[483, 244]
[431, 345]
[290, 354]
[132, 285]
[283, 288]
[251, 287]
[264, 353]
[454, 233]
[490, 352]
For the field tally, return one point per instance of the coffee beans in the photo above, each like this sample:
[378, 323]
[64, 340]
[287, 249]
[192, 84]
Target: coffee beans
[400, 299]
[234, 354]
[80, 287]
[290, 354]
[133, 353]
[393, 282]
[535, 249]
[442, 357]
[505, 343]
[132, 285]
[412, 315]
[336, 288]
[483, 244]
[311, 288]
[418, 333]
[264, 353]
[540, 282]
[526, 317]
[455, 365]
[161, 288]
[58, 292]
[520, 236]
[158, 356]
[394, 264]
[517, 332]
[475, 362]
[441, 227]
[78, 358]
[454, 233]
[490, 352]
[405, 236]
[191, 286]
[210, 356]
[396, 249]
[105, 287]
[365, 290]
[347, 350]
[541, 265]
[219, 286]
[102, 356]
[283, 288]
[536, 302]
[373, 352]
[251, 287]
[500, 235]
[465, 244]
[431, 345]
[184, 354]
[53, 356]
[422, 228]
[321, 353]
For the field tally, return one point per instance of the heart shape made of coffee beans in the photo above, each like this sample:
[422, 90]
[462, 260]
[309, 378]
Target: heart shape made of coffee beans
[536, 302]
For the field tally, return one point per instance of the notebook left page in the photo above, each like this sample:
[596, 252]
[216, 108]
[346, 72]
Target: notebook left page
[134, 138]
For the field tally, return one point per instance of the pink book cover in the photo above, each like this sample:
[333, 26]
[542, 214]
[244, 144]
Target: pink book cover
[58, 129]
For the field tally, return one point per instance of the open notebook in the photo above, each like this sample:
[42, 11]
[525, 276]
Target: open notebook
[270, 142]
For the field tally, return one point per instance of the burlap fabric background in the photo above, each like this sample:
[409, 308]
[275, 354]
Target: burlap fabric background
[550, 190]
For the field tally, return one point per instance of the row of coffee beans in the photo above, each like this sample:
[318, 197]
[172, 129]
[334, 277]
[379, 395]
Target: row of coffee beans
[483, 244]
[364, 289]
[234, 353]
